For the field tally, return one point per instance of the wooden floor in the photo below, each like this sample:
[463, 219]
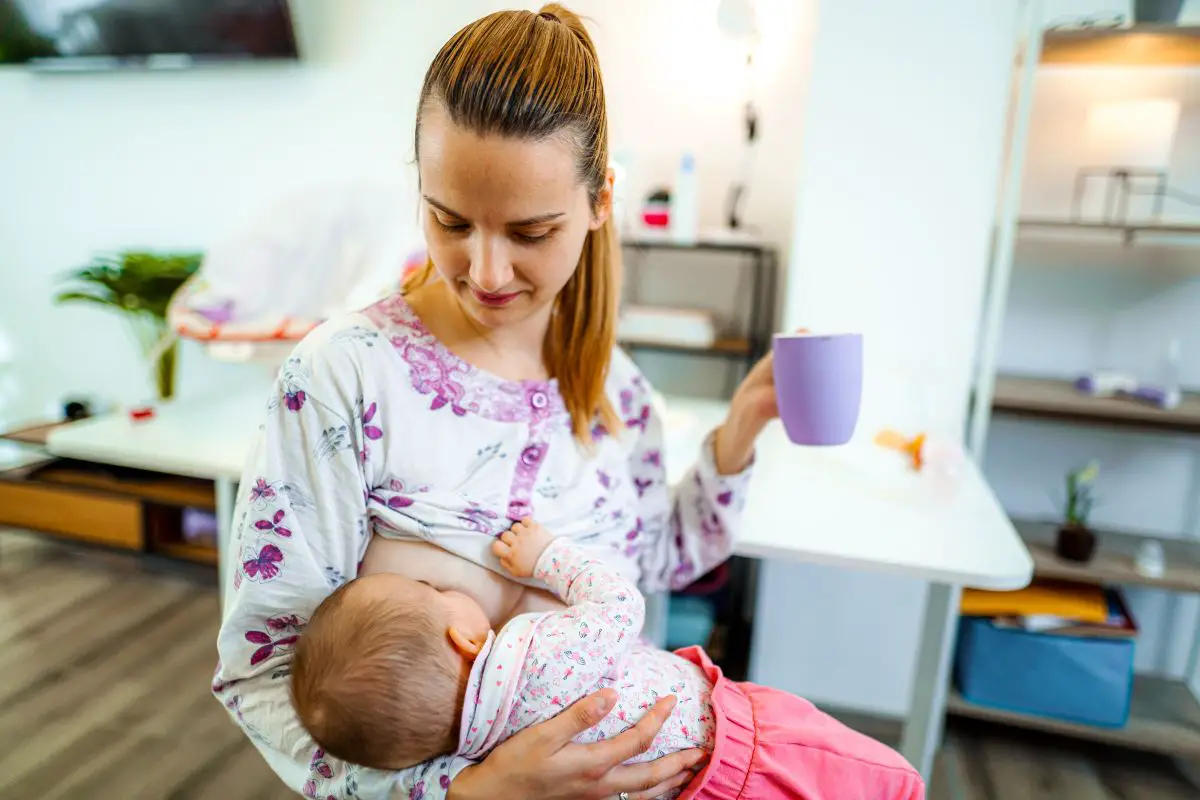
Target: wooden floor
[105, 664]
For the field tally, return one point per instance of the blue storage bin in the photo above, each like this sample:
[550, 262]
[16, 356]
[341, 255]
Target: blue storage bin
[1071, 678]
[690, 621]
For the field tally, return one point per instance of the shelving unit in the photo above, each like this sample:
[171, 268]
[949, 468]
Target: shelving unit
[755, 343]
[1164, 715]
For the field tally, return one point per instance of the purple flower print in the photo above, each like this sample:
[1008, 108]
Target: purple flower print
[478, 518]
[626, 401]
[417, 792]
[640, 421]
[598, 432]
[294, 399]
[653, 458]
[269, 645]
[261, 491]
[432, 375]
[265, 565]
[371, 433]
[272, 525]
[319, 765]
[399, 501]
[444, 782]
[725, 498]
[642, 484]
[286, 622]
[604, 478]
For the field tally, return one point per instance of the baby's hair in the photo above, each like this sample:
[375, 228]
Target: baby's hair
[373, 680]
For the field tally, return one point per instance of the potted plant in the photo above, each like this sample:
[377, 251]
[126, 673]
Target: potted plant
[138, 284]
[1077, 542]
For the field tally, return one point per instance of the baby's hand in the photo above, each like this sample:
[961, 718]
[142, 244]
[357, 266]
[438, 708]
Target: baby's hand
[520, 548]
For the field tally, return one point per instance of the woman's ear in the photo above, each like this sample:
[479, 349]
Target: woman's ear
[465, 645]
[604, 202]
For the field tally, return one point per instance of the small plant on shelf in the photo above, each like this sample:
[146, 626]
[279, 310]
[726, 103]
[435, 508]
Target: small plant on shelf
[1076, 541]
[140, 286]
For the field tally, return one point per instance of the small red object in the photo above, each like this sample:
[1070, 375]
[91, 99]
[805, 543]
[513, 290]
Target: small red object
[141, 413]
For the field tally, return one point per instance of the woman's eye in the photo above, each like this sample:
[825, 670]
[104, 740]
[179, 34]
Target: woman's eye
[533, 237]
[451, 226]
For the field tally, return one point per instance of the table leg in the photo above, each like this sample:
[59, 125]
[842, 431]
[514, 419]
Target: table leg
[225, 490]
[927, 712]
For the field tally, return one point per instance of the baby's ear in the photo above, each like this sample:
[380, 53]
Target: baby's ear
[468, 647]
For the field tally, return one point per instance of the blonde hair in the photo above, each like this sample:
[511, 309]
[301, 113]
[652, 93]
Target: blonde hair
[531, 75]
[373, 683]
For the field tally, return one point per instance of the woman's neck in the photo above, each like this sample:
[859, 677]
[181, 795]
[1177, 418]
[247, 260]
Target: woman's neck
[513, 352]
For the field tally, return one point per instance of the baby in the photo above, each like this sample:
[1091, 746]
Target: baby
[392, 672]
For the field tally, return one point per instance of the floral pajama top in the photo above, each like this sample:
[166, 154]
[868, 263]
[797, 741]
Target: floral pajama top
[375, 427]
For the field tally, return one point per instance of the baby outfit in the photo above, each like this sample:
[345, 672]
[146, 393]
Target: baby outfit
[765, 744]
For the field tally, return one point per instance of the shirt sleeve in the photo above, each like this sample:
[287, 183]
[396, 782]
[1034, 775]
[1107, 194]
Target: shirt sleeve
[300, 528]
[602, 621]
[688, 529]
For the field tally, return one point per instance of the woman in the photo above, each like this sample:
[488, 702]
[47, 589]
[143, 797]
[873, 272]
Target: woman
[489, 390]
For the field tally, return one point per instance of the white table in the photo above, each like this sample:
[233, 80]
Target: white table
[860, 506]
[205, 437]
[857, 506]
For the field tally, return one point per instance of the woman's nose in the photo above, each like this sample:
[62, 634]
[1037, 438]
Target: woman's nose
[491, 268]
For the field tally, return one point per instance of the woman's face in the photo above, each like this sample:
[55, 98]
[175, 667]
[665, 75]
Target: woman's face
[504, 219]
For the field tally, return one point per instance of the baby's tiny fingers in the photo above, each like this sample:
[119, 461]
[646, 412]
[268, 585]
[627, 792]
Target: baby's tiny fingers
[509, 538]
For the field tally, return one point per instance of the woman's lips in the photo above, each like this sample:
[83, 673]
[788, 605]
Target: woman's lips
[494, 300]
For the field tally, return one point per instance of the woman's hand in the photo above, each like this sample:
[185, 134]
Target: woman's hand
[753, 406]
[544, 762]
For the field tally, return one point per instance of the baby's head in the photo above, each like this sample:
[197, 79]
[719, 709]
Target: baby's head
[380, 671]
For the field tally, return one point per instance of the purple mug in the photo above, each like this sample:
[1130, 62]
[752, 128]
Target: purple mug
[818, 385]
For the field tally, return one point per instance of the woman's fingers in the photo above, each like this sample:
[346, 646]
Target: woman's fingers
[655, 778]
[677, 782]
[558, 731]
[637, 739]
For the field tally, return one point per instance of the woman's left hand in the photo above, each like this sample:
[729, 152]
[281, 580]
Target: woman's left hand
[752, 407]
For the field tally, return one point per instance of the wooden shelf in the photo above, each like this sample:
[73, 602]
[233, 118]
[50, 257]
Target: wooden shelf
[1047, 398]
[1164, 718]
[735, 347]
[1138, 46]
[1127, 231]
[1188, 229]
[1113, 562]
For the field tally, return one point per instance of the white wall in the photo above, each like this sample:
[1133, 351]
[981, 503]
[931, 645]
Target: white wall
[901, 155]
[104, 161]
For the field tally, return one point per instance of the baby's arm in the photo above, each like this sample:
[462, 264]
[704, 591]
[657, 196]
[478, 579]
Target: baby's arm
[606, 611]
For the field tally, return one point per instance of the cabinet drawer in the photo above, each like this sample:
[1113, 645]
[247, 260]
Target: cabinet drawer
[114, 521]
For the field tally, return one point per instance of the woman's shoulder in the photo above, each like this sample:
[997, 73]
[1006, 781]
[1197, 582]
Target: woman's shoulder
[626, 382]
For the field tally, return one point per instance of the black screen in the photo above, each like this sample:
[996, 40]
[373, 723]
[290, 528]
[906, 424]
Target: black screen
[134, 30]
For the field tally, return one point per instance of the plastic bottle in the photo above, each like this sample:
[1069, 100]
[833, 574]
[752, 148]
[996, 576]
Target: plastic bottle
[685, 202]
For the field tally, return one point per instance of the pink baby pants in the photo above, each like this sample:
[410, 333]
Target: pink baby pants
[772, 745]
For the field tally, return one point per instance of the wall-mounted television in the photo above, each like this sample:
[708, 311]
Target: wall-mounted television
[107, 34]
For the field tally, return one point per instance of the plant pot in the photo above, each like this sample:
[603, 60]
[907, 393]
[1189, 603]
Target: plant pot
[1075, 543]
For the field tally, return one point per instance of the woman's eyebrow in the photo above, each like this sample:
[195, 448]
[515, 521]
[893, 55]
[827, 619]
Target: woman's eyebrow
[547, 217]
